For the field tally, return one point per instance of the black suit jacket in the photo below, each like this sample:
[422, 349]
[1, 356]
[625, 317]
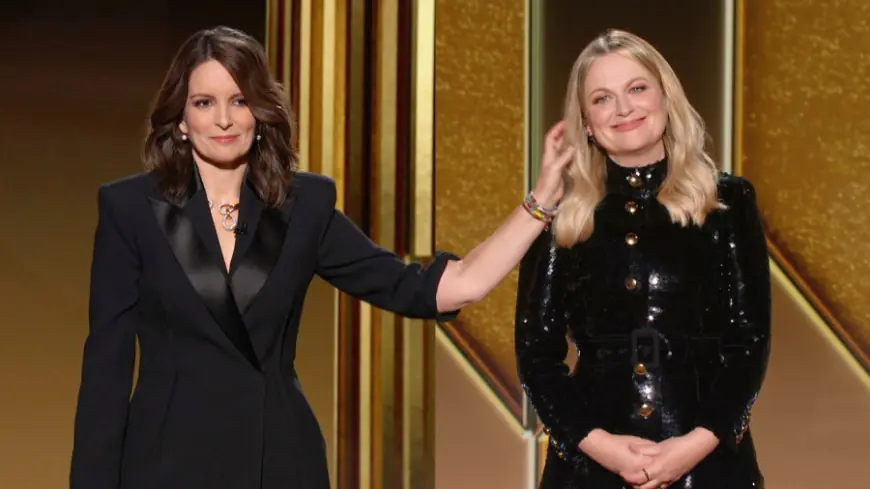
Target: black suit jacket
[217, 403]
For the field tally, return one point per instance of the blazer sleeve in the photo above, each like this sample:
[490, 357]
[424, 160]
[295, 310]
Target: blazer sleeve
[356, 265]
[746, 338]
[541, 344]
[109, 353]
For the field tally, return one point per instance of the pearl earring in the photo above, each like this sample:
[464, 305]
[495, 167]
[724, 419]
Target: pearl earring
[184, 137]
[259, 137]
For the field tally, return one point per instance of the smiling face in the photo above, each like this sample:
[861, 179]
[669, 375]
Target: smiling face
[625, 108]
[217, 121]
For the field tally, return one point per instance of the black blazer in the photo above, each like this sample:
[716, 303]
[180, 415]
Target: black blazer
[217, 403]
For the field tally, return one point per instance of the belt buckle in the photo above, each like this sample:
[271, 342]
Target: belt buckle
[640, 333]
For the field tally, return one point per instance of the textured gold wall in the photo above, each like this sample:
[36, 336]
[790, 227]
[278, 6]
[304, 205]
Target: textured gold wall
[479, 160]
[806, 144]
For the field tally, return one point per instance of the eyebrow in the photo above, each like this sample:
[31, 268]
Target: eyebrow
[206, 95]
[630, 82]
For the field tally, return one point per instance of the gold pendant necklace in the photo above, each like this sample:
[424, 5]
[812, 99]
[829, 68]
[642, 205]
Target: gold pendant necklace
[226, 210]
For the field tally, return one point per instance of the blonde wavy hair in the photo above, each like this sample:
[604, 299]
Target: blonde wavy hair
[689, 191]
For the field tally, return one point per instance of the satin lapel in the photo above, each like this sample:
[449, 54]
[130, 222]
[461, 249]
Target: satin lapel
[187, 227]
[259, 248]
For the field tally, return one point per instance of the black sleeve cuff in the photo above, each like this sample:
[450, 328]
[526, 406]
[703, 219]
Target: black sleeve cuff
[434, 272]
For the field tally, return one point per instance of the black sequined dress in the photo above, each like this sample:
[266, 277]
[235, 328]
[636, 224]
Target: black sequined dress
[671, 324]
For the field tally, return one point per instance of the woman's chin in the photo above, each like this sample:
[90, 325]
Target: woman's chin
[227, 162]
[646, 151]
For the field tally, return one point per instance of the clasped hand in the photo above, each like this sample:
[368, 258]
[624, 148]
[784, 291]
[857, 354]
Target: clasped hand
[646, 464]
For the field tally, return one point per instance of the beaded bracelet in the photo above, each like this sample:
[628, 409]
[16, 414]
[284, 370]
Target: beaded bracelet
[530, 204]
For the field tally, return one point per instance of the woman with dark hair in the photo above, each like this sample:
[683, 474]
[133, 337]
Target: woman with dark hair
[206, 259]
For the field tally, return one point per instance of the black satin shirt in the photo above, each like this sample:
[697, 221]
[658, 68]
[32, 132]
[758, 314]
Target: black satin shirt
[671, 325]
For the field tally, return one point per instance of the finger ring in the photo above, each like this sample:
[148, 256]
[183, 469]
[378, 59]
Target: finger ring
[646, 474]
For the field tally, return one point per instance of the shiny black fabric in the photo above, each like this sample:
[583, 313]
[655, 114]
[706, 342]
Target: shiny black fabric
[671, 324]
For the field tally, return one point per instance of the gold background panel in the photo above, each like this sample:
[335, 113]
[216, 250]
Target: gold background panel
[811, 422]
[480, 161]
[478, 443]
[806, 144]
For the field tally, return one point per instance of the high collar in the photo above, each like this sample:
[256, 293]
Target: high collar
[637, 182]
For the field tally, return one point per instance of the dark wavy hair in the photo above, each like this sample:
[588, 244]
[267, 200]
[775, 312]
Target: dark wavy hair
[272, 161]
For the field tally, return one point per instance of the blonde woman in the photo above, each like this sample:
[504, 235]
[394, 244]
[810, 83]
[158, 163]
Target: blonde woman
[656, 268]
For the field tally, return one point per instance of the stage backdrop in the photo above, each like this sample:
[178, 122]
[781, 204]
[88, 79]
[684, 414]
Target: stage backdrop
[429, 115]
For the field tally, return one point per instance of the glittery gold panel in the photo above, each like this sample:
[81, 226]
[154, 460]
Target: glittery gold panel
[479, 161]
[806, 144]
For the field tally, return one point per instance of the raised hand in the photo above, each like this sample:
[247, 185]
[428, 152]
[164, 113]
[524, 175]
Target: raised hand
[550, 187]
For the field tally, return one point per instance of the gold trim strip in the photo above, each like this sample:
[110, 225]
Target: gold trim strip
[366, 376]
[726, 145]
[739, 53]
[418, 414]
[528, 418]
[534, 89]
[271, 32]
[385, 406]
[287, 72]
[386, 120]
[335, 34]
[389, 413]
[533, 142]
[327, 77]
[350, 111]
[304, 108]
[423, 107]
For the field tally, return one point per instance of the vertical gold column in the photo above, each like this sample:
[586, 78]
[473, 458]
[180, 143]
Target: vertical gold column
[304, 69]
[324, 85]
[314, 72]
[280, 41]
[366, 109]
[423, 121]
[400, 435]
[380, 464]
[419, 336]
